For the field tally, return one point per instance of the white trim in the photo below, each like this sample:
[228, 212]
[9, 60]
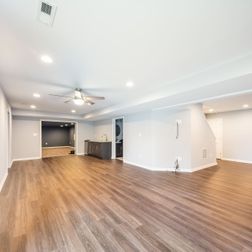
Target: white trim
[24, 159]
[238, 160]
[76, 146]
[11, 163]
[56, 147]
[150, 168]
[80, 154]
[3, 180]
[9, 137]
[204, 166]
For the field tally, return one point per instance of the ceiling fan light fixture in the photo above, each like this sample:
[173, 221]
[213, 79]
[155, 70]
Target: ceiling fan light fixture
[46, 59]
[78, 102]
[77, 94]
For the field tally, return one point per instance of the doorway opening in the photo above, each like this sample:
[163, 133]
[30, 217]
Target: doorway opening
[216, 124]
[118, 137]
[58, 138]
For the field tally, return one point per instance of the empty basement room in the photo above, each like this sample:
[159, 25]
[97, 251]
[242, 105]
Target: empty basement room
[125, 125]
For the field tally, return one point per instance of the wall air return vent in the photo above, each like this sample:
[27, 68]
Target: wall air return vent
[47, 11]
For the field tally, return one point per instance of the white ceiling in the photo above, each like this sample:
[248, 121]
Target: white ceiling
[231, 103]
[169, 49]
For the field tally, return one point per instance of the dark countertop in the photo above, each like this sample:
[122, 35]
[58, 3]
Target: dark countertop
[99, 142]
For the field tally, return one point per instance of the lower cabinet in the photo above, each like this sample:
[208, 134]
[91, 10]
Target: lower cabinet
[99, 149]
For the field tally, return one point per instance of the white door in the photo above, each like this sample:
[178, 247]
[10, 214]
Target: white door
[216, 124]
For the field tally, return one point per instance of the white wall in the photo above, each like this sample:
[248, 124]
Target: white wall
[237, 135]
[4, 138]
[150, 139]
[85, 132]
[26, 137]
[137, 140]
[203, 152]
[166, 148]
[101, 128]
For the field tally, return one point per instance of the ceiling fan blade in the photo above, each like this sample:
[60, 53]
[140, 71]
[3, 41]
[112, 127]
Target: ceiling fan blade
[67, 101]
[64, 96]
[91, 97]
[90, 103]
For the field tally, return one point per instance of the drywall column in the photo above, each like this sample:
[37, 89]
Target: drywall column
[203, 149]
[166, 145]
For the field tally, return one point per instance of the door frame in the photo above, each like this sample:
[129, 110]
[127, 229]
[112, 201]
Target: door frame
[76, 133]
[113, 156]
[9, 137]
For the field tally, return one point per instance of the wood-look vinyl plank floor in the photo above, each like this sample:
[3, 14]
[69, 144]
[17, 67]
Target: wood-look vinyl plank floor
[77, 203]
[56, 152]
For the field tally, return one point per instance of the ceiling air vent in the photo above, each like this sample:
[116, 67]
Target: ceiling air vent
[47, 11]
[46, 8]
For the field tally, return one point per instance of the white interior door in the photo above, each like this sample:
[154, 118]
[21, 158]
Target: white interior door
[216, 125]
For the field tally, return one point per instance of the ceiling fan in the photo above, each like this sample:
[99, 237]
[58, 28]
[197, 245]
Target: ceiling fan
[79, 97]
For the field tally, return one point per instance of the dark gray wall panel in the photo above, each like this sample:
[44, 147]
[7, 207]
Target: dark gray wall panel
[55, 136]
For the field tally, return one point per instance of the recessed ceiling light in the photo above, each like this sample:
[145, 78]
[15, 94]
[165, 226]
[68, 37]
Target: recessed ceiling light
[37, 95]
[211, 110]
[130, 84]
[73, 111]
[46, 59]
[245, 106]
[33, 107]
[66, 124]
[61, 126]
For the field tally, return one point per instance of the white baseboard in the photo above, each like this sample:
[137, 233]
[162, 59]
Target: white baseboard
[150, 168]
[24, 159]
[237, 160]
[168, 169]
[80, 154]
[204, 166]
[11, 164]
[3, 180]
[56, 147]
